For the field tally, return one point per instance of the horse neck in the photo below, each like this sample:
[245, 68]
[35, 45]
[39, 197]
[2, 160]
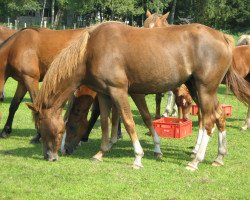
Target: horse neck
[55, 97]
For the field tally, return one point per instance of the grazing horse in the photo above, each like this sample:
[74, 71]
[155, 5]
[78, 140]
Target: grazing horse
[26, 57]
[106, 59]
[78, 127]
[5, 33]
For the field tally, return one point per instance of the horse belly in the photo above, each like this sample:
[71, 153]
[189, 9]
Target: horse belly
[156, 80]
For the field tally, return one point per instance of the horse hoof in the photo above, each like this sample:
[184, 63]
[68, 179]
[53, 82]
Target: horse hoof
[217, 163]
[243, 128]
[136, 166]
[158, 155]
[98, 160]
[4, 135]
[35, 141]
[193, 155]
[191, 167]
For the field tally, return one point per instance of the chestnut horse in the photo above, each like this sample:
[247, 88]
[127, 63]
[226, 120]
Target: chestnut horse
[5, 33]
[26, 57]
[106, 59]
[78, 127]
[183, 98]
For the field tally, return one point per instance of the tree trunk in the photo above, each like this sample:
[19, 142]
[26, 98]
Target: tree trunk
[58, 17]
[52, 13]
[42, 18]
[173, 12]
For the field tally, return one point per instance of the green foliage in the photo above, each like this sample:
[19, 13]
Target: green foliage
[220, 14]
[12, 8]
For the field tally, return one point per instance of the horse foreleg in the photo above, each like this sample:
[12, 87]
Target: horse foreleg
[247, 121]
[141, 104]
[32, 86]
[158, 98]
[20, 92]
[105, 107]
[120, 98]
[170, 104]
[2, 81]
[93, 118]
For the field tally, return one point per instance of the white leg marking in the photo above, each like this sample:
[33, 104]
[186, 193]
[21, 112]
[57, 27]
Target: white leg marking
[157, 142]
[198, 142]
[63, 143]
[203, 146]
[222, 143]
[138, 155]
[247, 121]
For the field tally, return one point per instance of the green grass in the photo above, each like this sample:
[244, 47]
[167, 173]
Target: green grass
[25, 175]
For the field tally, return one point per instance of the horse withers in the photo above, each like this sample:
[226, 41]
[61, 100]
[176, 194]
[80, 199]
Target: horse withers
[194, 54]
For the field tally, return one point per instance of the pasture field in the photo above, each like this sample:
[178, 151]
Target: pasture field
[25, 175]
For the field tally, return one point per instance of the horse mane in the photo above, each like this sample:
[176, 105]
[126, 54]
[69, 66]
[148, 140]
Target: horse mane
[69, 58]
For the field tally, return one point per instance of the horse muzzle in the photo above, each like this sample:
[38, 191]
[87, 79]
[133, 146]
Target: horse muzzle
[50, 156]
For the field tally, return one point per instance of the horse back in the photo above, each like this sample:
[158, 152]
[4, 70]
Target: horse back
[172, 53]
[241, 57]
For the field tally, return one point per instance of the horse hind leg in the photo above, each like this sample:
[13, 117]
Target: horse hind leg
[247, 121]
[143, 109]
[158, 98]
[18, 97]
[222, 143]
[208, 120]
[120, 98]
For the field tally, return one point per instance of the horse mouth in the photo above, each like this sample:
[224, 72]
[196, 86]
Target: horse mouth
[49, 156]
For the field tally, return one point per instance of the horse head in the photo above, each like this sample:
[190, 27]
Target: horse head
[77, 123]
[50, 125]
[156, 20]
[183, 101]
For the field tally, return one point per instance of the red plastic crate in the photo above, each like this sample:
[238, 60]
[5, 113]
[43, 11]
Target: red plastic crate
[172, 127]
[227, 109]
[194, 110]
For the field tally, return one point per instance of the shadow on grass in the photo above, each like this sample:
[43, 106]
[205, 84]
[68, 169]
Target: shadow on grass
[21, 133]
[34, 152]
[7, 100]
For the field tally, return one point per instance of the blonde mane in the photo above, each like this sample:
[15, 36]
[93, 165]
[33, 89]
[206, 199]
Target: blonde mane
[64, 65]
[61, 68]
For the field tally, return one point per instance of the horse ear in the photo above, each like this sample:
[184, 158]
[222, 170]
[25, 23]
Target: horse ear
[32, 107]
[148, 13]
[164, 17]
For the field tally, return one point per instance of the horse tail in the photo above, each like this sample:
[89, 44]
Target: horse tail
[238, 85]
